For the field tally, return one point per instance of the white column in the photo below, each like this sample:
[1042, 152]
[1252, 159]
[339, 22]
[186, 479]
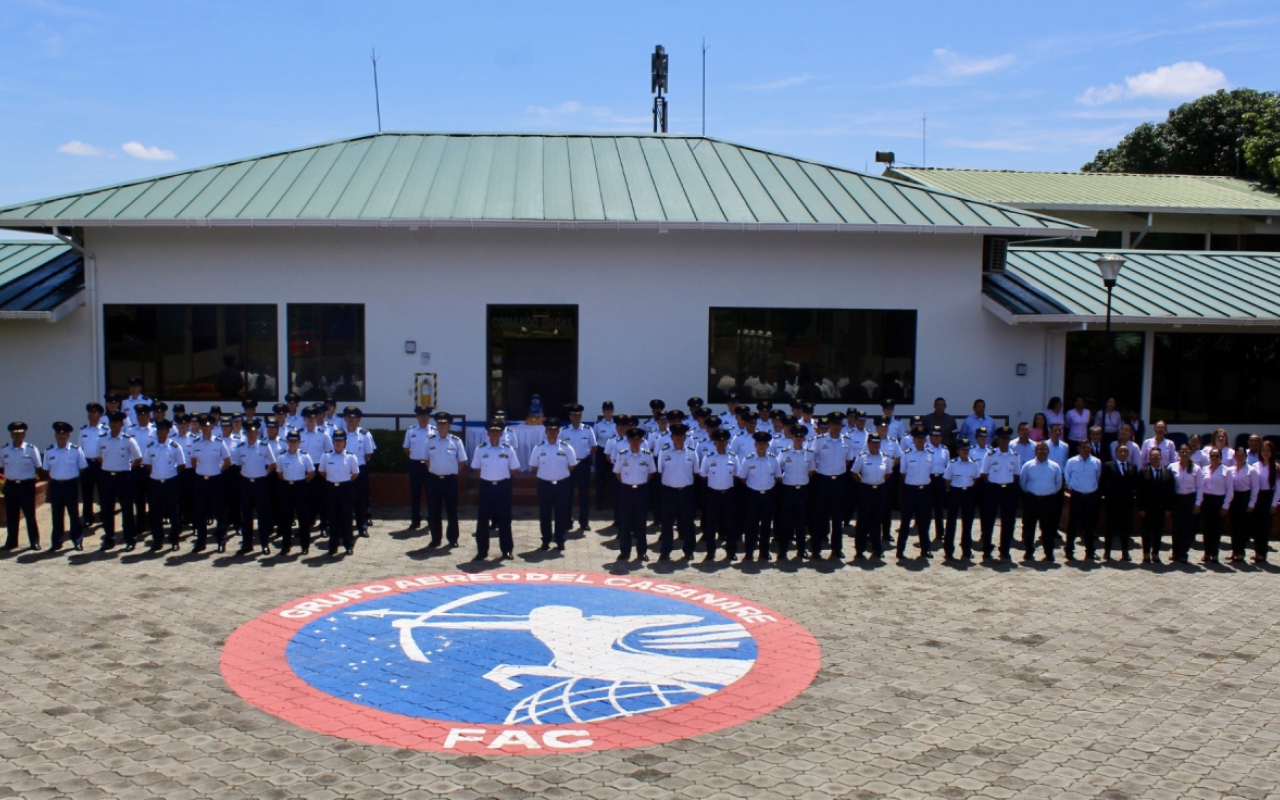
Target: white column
[1148, 360]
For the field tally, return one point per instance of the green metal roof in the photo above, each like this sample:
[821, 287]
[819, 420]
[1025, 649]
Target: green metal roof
[532, 180]
[39, 280]
[1156, 287]
[1099, 191]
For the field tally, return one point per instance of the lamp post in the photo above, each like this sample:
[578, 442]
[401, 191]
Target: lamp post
[1109, 268]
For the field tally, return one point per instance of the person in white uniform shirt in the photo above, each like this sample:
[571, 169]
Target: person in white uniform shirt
[634, 467]
[718, 469]
[210, 459]
[256, 461]
[316, 441]
[1244, 479]
[1217, 489]
[64, 463]
[605, 429]
[1000, 469]
[582, 438]
[340, 470]
[553, 462]
[134, 398]
[760, 473]
[415, 448]
[872, 471]
[677, 466]
[360, 444]
[917, 501]
[496, 462]
[295, 471]
[797, 464]
[90, 435]
[962, 476]
[446, 464]
[120, 454]
[164, 459]
[144, 433]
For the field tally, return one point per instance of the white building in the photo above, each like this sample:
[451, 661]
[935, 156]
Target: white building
[588, 268]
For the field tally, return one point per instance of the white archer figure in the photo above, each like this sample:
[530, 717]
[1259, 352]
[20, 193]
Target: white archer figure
[591, 647]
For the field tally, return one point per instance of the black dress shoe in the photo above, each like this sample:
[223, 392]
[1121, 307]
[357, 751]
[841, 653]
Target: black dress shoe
[244, 551]
[545, 546]
[413, 526]
[222, 548]
[350, 551]
[560, 548]
[333, 554]
[362, 535]
[173, 548]
[305, 549]
[79, 546]
[129, 548]
[198, 548]
[480, 557]
[434, 543]
[507, 554]
[664, 558]
[36, 546]
[266, 551]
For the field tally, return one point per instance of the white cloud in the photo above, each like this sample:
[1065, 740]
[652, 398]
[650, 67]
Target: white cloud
[953, 67]
[958, 66]
[152, 153]
[75, 147]
[1185, 79]
[571, 110]
[782, 83]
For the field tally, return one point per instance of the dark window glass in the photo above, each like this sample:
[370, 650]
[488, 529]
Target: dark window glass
[326, 351]
[1105, 240]
[1086, 352]
[819, 355]
[1216, 378]
[196, 352]
[1171, 241]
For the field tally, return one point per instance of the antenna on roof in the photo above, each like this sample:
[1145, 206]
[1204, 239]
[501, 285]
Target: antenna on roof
[377, 98]
[704, 85]
[658, 83]
[924, 140]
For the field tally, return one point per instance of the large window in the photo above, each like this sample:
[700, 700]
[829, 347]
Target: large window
[193, 352]
[1086, 354]
[820, 355]
[326, 351]
[1216, 378]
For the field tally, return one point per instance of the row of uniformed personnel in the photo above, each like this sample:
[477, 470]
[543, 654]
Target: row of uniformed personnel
[232, 470]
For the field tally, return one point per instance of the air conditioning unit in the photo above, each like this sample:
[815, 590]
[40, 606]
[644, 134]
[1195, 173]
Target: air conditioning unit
[995, 254]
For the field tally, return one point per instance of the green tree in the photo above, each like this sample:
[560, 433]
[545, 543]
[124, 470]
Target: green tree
[1207, 136]
[1262, 150]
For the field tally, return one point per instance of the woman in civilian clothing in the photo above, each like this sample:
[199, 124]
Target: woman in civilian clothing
[1216, 490]
[1244, 481]
[1222, 442]
[1039, 427]
[1263, 507]
[1053, 414]
[1109, 420]
[1077, 424]
[1186, 503]
[1199, 454]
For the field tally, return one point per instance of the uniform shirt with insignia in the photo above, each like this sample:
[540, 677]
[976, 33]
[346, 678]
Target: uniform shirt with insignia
[719, 469]
[254, 460]
[796, 466]
[634, 467]
[64, 463]
[1002, 466]
[605, 429]
[208, 456]
[339, 467]
[445, 454]
[118, 452]
[164, 458]
[360, 444]
[415, 441]
[495, 462]
[581, 439]
[128, 403]
[90, 436]
[278, 446]
[20, 462]
[941, 458]
[553, 462]
[916, 467]
[144, 435]
[874, 469]
[743, 445]
[677, 467]
[831, 455]
[760, 472]
[316, 443]
[962, 472]
[295, 466]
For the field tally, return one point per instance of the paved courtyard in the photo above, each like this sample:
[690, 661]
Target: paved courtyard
[1066, 682]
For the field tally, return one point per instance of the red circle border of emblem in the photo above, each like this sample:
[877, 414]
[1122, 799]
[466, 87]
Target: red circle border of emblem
[255, 666]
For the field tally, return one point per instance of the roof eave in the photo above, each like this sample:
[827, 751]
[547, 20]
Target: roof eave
[661, 226]
[1147, 209]
[1010, 318]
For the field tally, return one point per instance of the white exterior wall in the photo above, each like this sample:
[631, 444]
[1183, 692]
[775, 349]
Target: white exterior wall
[642, 297]
[48, 373]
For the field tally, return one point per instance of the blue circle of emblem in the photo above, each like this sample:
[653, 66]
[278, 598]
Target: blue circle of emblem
[521, 654]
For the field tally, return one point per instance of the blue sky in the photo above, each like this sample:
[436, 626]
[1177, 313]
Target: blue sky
[93, 93]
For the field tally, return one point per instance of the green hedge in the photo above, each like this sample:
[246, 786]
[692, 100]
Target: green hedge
[389, 457]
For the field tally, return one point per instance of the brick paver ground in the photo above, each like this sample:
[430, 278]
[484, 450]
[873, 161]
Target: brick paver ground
[1066, 682]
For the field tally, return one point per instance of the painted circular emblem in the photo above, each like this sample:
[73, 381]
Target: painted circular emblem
[519, 662]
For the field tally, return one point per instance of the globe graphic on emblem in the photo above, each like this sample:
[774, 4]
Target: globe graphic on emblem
[522, 654]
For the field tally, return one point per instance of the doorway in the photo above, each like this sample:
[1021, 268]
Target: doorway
[532, 352]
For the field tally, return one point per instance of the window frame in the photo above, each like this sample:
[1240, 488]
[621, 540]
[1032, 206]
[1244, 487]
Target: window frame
[363, 346]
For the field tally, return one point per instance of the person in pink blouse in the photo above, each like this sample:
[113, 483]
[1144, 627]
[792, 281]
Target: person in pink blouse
[1217, 487]
[1167, 449]
[1109, 420]
[1039, 427]
[1077, 424]
[1186, 502]
[1244, 479]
